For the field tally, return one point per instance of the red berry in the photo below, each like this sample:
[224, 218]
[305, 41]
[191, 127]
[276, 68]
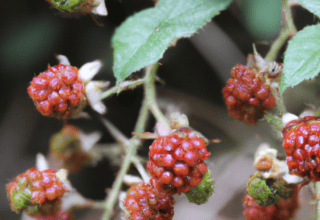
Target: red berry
[177, 159]
[36, 192]
[58, 91]
[301, 139]
[149, 202]
[247, 95]
[285, 209]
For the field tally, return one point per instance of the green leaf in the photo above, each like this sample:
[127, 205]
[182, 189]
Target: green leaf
[143, 38]
[201, 193]
[302, 57]
[311, 5]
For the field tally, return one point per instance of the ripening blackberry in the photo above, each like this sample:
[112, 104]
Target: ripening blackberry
[247, 95]
[177, 159]
[301, 141]
[149, 202]
[58, 92]
[38, 193]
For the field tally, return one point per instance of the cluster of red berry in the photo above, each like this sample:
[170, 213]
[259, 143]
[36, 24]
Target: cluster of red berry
[37, 192]
[176, 165]
[301, 139]
[247, 95]
[58, 91]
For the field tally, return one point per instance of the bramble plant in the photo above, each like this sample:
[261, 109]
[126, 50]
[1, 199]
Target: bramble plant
[178, 154]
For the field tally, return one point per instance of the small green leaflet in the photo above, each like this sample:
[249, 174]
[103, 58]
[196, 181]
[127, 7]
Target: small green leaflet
[143, 38]
[302, 57]
[312, 5]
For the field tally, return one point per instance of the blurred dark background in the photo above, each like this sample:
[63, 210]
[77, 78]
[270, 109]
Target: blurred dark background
[32, 33]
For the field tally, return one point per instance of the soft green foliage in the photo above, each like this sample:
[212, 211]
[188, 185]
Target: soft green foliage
[261, 192]
[301, 60]
[311, 5]
[201, 193]
[143, 38]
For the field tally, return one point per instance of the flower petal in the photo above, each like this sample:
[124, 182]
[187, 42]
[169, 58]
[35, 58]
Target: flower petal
[93, 91]
[101, 9]
[63, 60]
[89, 70]
[41, 162]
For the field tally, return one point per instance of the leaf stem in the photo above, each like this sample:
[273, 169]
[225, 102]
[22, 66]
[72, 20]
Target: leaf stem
[150, 94]
[121, 87]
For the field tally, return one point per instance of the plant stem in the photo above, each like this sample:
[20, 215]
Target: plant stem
[277, 122]
[143, 117]
[150, 94]
[130, 152]
[121, 87]
[143, 173]
[288, 31]
[277, 44]
[288, 18]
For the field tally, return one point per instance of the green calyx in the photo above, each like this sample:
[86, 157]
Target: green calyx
[261, 192]
[69, 6]
[201, 193]
[282, 189]
[63, 145]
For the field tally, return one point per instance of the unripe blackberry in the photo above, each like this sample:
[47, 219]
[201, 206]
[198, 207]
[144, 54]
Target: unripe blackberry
[74, 8]
[37, 192]
[247, 95]
[58, 92]
[301, 141]
[177, 159]
[147, 202]
[65, 146]
[284, 210]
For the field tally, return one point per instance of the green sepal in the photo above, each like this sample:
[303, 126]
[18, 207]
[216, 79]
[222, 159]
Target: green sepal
[261, 192]
[70, 6]
[282, 189]
[201, 193]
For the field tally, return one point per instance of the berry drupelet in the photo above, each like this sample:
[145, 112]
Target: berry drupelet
[149, 202]
[37, 192]
[58, 92]
[247, 95]
[301, 141]
[177, 159]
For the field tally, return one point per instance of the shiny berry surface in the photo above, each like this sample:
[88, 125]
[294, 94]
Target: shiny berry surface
[177, 159]
[149, 202]
[34, 189]
[301, 141]
[247, 95]
[58, 91]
